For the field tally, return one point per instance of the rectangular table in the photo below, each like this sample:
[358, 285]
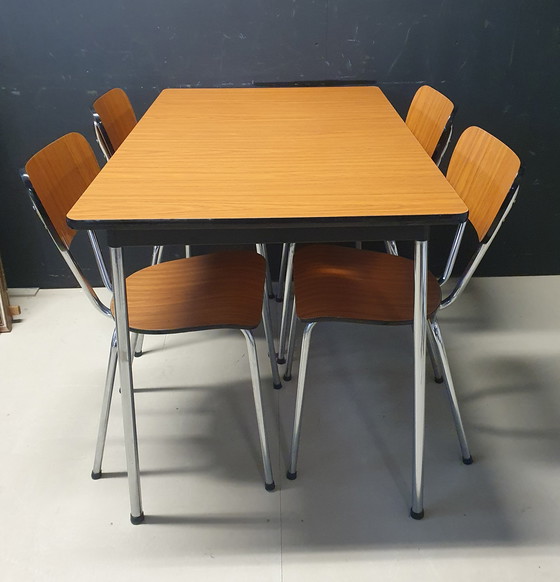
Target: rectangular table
[265, 165]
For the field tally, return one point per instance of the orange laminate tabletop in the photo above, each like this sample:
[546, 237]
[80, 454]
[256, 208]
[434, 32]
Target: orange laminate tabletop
[255, 154]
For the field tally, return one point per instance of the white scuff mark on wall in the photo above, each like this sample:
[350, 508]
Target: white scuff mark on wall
[355, 37]
[401, 53]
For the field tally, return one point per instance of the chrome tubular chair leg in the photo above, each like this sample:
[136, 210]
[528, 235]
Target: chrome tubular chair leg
[138, 345]
[291, 344]
[420, 330]
[282, 273]
[127, 393]
[286, 305]
[434, 358]
[435, 332]
[292, 471]
[187, 252]
[261, 249]
[267, 324]
[391, 247]
[105, 408]
[157, 255]
[254, 365]
[268, 280]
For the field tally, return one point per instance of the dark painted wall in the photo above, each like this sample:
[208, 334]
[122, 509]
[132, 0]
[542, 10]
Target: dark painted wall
[497, 59]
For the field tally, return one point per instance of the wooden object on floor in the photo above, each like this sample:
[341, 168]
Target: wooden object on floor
[7, 311]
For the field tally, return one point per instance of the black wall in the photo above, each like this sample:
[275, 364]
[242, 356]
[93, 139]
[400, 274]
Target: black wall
[498, 60]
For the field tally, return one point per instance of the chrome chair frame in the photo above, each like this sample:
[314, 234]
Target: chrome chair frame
[113, 352]
[434, 341]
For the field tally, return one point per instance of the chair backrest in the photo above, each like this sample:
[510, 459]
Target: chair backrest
[117, 117]
[56, 177]
[485, 173]
[59, 174]
[482, 170]
[429, 114]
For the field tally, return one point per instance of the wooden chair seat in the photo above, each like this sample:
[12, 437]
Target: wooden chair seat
[335, 283]
[218, 290]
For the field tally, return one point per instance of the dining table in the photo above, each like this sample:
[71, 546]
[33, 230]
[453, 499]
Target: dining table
[269, 165]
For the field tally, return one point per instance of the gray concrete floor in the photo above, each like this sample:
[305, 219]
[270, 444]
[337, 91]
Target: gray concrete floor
[208, 516]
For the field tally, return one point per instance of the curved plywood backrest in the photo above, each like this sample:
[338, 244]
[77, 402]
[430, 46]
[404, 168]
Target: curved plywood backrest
[482, 170]
[427, 117]
[59, 174]
[116, 114]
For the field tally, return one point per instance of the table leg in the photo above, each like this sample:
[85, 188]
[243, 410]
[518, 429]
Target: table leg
[127, 394]
[420, 329]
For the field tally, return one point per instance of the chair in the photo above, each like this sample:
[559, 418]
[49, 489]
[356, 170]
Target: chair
[213, 291]
[346, 284]
[430, 119]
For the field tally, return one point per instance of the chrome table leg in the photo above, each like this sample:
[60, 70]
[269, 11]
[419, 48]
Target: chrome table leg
[127, 394]
[420, 329]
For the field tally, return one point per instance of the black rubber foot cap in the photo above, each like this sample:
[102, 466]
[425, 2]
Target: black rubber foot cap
[95, 476]
[277, 386]
[138, 354]
[439, 380]
[271, 296]
[415, 515]
[287, 378]
[281, 361]
[279, 299]
[291, 476]
[468, 461]
[270, 486]
[137, 520]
